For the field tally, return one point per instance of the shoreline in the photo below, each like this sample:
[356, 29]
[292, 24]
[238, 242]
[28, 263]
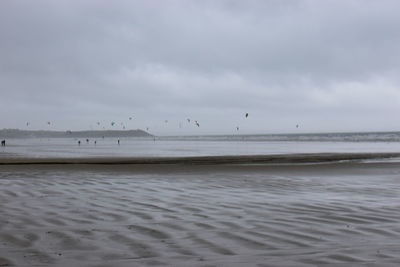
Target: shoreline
[304, 158]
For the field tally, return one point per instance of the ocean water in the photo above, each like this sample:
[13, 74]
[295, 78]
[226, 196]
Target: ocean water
[175, 146]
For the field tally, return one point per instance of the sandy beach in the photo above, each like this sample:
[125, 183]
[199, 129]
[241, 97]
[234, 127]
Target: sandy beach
[326, 214]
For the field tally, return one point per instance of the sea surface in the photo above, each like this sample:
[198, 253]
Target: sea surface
[184, 146]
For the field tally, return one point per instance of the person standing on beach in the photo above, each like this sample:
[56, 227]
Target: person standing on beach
[79, 142]
[118, 141]
[3, 143]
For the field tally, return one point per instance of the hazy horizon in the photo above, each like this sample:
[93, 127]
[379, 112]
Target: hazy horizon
[302, 66]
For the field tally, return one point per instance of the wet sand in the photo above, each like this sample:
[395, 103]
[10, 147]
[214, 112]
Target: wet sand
[329, 214]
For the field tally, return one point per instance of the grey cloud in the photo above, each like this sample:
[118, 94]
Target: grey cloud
[79, 60]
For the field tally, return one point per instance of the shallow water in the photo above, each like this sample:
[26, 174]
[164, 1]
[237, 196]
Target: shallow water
[136, 147]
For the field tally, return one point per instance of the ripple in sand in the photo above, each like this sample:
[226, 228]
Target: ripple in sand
[154, 233]
[140, 249]
[196, 220]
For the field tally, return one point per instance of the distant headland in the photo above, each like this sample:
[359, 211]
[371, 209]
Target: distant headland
[16, 133]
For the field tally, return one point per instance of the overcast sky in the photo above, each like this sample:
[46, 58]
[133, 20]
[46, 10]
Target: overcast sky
[322, 65]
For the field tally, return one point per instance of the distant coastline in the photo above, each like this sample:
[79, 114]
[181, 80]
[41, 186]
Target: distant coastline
[16, 133]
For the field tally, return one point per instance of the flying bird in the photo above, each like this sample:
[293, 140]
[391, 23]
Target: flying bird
[198, 125]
